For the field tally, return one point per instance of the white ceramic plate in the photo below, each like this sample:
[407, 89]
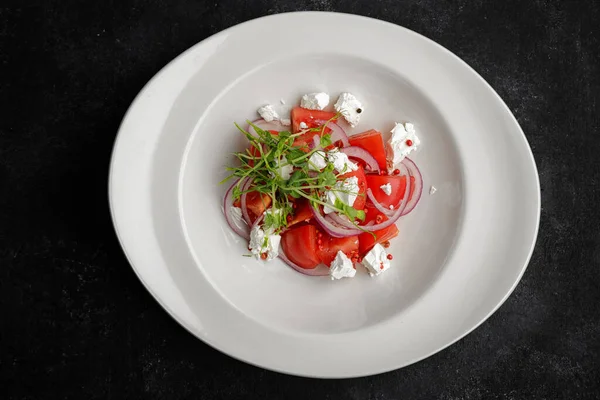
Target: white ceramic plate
[460, 252]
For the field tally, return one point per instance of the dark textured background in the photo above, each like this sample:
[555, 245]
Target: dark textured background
[76, 323]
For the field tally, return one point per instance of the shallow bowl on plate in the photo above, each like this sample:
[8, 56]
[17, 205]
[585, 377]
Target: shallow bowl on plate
[460, 253]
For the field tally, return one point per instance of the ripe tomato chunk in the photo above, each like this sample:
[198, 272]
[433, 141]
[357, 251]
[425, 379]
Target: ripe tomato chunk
[300, 246]
[366, 240]
[257, 203]
[372, 141]
[312, 118]
[302, 212]
[398, 184]
[329, 247]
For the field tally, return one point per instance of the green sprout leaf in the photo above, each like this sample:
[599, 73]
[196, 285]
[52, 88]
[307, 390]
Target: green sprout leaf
[327, 178]
[326, 140]
[237, 192]
[296, 178]
[296, 154]
[361, 215]
[284, 135]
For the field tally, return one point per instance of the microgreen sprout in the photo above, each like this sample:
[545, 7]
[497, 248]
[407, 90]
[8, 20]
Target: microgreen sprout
[262, 162]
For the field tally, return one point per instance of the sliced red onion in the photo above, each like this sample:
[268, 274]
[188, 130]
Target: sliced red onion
[338, 220]
[257, 221]
[266, 126]
[413, 171]
[378, 205]
[316, 142]
[329, 227]
[319, 270]
[338, 133]
[244, 187]
[243, 231]
[363, 155]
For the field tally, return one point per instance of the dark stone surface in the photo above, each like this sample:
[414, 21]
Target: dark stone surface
[75, 322]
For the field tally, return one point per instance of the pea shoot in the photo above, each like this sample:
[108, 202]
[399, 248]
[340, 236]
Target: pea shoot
[264, 162]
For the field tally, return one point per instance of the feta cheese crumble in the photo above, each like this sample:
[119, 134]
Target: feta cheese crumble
[317, 161]
[349, 107]
[284, 169]
[340, 161]
[387, 188]
[303, 125]
[341, 267]
[268, 113]
[315, 101]
[432, 190]
[276, 212]
[345, 191]
[273, 246]
[376, 261]
[404, 140]
[264, 242]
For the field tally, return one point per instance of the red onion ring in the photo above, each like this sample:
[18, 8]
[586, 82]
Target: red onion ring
[320, 270]
[257, 221]
[413, 171]
[329, 227]
[363, 155]
[338, 220]
[316, 142]
[266, 126]
[227, 204]
[386, 211]
[338, 133]
[244, 187]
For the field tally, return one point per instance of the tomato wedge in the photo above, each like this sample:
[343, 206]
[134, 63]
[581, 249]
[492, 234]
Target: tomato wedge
[302, 212]
[312, 118]
[330, 246]
[398, 184]
[300, 246]
[257, 203]
[361, 199]
[372, 141]
[366, 240]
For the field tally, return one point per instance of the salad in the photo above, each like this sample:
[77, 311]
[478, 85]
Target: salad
[320, 200]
